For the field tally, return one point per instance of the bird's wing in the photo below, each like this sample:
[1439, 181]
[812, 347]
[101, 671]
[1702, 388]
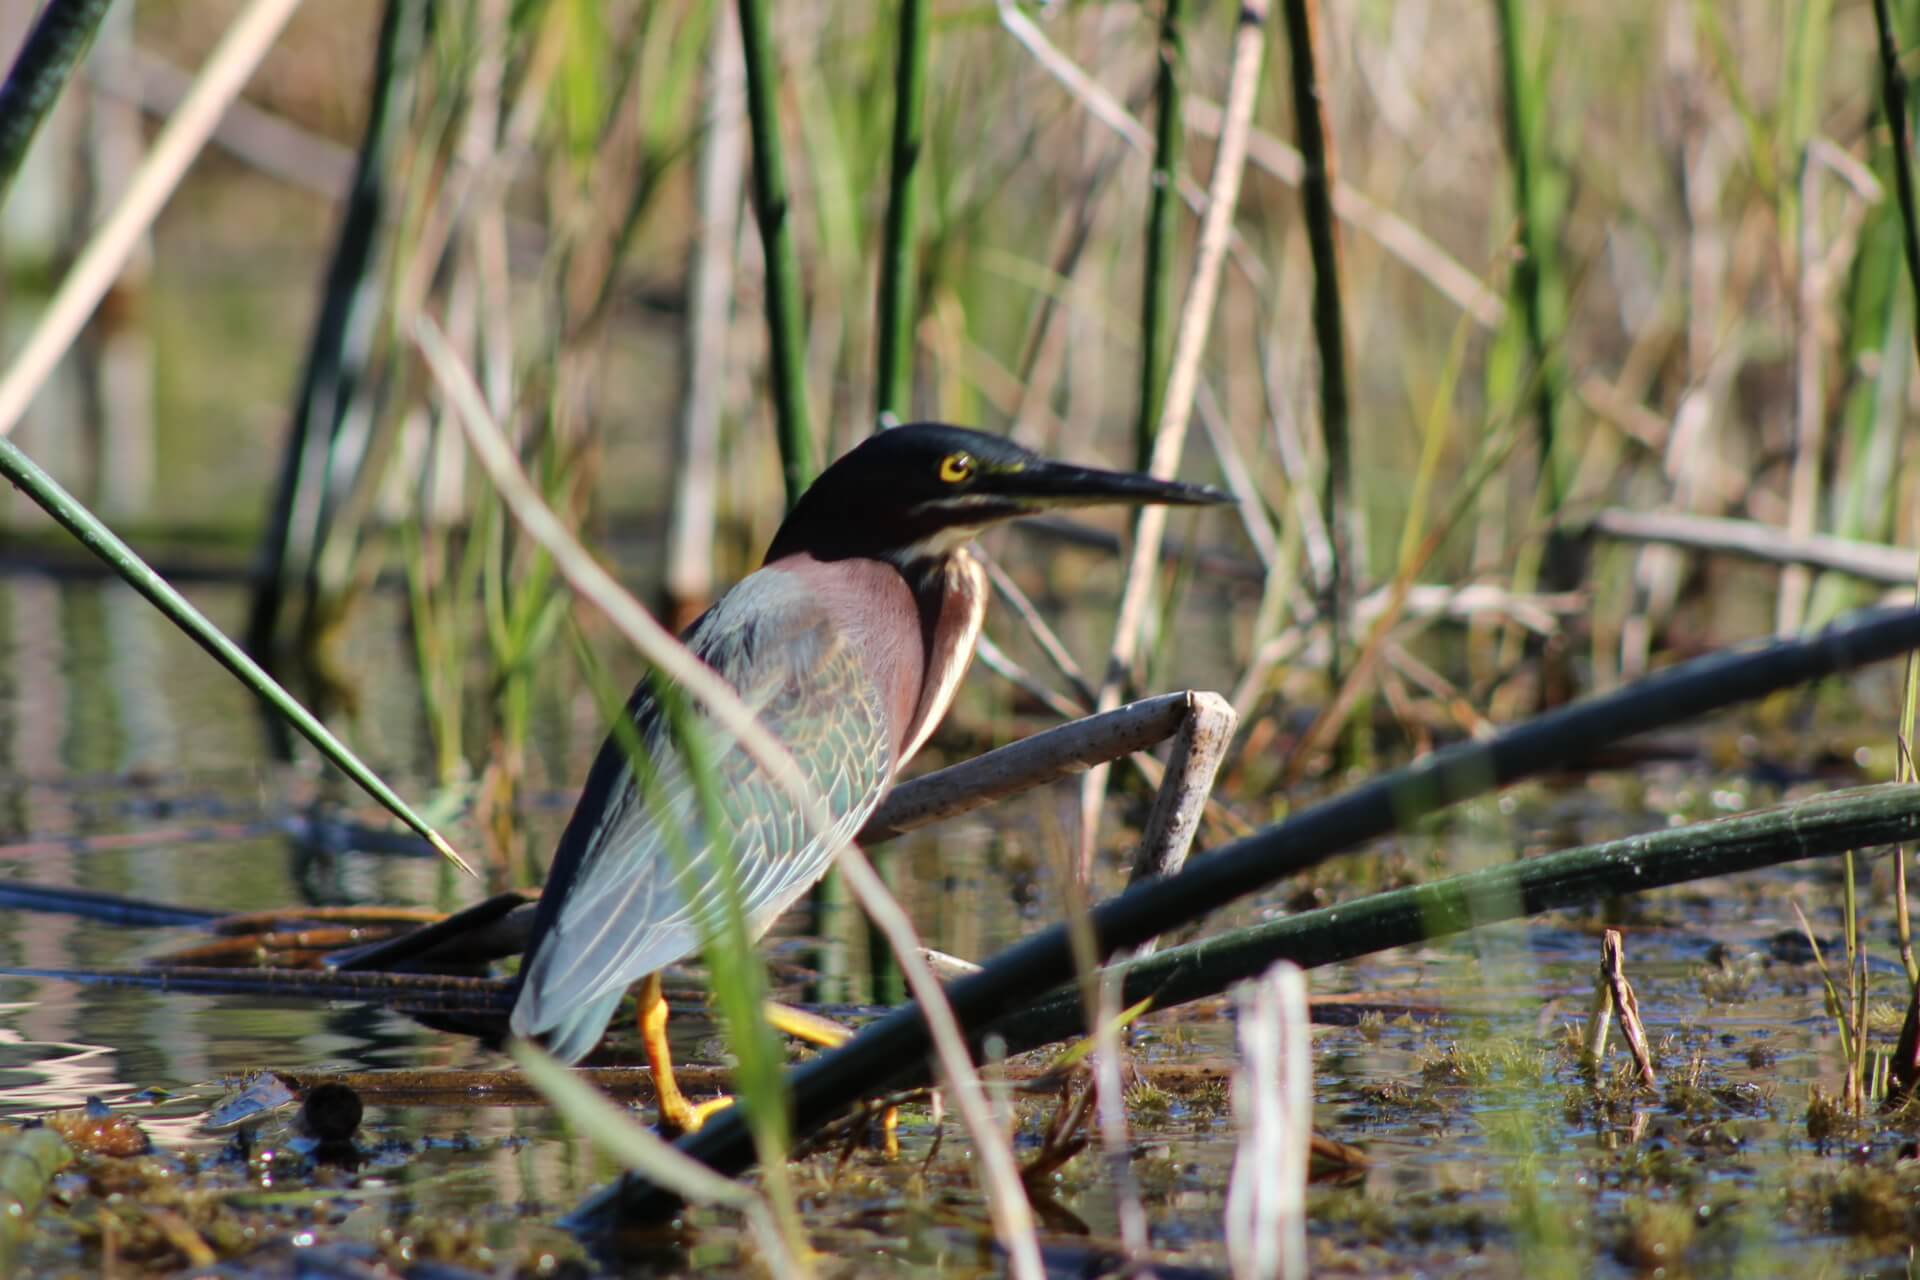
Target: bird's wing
[647, 878]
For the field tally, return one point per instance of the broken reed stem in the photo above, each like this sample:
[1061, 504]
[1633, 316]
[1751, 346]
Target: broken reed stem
[893, 397]
[1620, 997]
[53, 48]
[1199, 748]
[1183, 378]
[1163, 233]
[827, 1086]
[771, 205]
[1338, 498]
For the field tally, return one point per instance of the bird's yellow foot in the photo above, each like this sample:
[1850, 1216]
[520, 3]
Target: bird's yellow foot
[678, 1116]
[828, 1034]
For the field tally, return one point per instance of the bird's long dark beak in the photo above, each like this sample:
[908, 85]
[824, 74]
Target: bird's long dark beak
[1058, 484]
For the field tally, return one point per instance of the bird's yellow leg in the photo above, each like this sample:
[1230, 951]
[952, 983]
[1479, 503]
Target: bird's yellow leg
[677, 1115]
[828, 1034]
[809, 1027]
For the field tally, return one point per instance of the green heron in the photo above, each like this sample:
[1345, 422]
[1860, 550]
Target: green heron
[849, 642]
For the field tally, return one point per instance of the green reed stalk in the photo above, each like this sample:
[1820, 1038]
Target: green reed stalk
[1533, 274]
[770, 206]
[104, 543]
[1339, 500]
[1893, 89]
[894, 396]
[1329, 331]
[338, 351]
[1163, 224]
[54, 47]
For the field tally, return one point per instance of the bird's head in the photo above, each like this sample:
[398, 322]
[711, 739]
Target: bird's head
[921, 490]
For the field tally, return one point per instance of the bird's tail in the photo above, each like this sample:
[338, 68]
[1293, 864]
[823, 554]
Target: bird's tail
[569, 1033]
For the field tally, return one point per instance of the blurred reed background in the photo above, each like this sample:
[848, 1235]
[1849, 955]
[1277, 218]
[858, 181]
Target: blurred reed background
[1606, 260]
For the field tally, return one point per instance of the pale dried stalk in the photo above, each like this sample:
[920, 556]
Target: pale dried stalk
[1418, 251]
[93, 273]
[1400, 238]
[1809, 401]
[723, 153]
[1108, 110]
[1043, 634]
[1000, 1174]
[1190, 340]
[1273, 1110]
[1199, 748]
[1870, 561]
[1110, 1113]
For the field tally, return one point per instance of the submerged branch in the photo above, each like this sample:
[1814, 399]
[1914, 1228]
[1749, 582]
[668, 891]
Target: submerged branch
[1860, 818]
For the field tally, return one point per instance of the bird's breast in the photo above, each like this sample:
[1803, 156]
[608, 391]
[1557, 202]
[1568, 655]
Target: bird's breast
[868, 606]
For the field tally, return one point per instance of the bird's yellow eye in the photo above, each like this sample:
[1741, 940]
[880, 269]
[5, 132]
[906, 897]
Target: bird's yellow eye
[955, 468]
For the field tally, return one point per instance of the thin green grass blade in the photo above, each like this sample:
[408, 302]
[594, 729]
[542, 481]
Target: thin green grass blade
[118, 556]
[1163, 234]
[1535, 281]
[772, 204]
[895, 366]
[55, 46]
[613, 1130]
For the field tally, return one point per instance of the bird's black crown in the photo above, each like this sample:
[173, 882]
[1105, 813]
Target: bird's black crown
[924, 488]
